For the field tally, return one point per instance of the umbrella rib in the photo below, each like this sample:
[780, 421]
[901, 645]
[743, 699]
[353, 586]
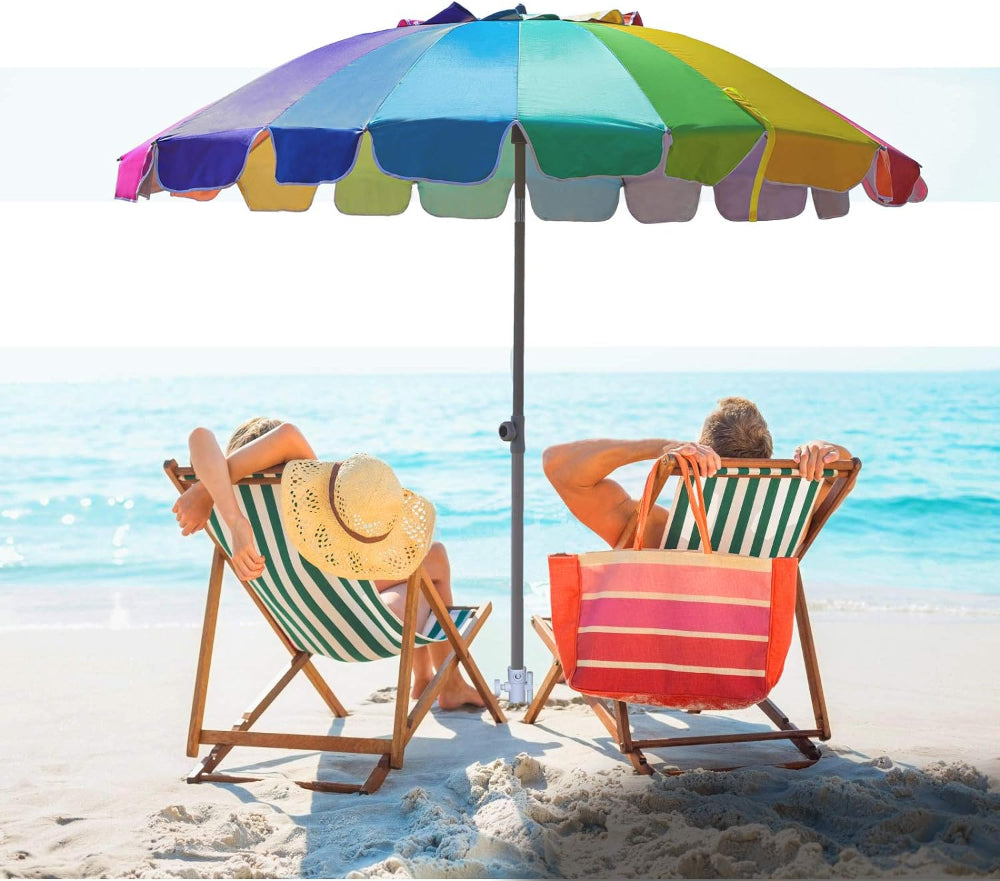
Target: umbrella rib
[758, 181]
[444, 30]
[517, 81]
[606, 48]
[695, 71]
[402, 77]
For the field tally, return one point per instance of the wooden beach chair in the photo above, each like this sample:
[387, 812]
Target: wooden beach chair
[759, 508]
[317, 614]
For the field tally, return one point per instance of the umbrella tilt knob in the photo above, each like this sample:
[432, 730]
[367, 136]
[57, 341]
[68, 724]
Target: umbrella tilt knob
[519, 686]
[508, 431]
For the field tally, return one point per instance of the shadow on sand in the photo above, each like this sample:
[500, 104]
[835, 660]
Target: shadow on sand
[526, 810]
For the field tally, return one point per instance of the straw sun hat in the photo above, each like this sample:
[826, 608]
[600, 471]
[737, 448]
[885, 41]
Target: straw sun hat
[353, 518]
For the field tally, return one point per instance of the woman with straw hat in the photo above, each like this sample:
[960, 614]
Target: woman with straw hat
[349, 518]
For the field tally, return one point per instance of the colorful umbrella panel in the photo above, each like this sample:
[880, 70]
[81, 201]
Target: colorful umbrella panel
[603, 104]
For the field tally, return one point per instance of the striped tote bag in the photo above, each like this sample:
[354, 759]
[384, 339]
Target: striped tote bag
[688, 629]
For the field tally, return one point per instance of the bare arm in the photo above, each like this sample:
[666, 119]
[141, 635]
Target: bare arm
[278, 446]
[213, 475]
[216, 476]
[579, 472]
[212, 470]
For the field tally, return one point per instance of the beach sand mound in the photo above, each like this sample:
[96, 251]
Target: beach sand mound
[529, 818]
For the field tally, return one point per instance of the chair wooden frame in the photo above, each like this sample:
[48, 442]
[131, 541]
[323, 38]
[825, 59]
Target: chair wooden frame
[389, 750]
[614, 714]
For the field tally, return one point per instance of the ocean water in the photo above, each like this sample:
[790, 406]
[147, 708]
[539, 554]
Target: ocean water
[87, 538]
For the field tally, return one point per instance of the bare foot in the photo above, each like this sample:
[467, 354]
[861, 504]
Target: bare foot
[459, 694]
[419, 685]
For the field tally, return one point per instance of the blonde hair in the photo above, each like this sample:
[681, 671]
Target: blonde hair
[250, 431]
[735, 429]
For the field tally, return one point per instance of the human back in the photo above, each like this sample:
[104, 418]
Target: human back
[580, 471]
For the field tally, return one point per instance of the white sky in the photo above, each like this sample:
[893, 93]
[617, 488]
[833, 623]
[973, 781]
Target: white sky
[260, 33]
[84, 277]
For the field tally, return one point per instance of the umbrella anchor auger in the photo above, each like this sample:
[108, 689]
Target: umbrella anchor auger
[519, 684]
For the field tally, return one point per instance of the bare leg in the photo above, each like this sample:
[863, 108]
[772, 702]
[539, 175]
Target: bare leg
[456, 691]
[393, 594]
[427, 660]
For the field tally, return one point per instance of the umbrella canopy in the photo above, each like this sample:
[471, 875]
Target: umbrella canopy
[604, 104]
[574, 109]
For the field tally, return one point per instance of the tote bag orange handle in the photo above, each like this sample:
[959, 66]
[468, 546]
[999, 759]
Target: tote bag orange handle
[692, 485]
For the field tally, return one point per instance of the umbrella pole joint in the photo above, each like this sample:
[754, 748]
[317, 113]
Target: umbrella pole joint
[512, 432]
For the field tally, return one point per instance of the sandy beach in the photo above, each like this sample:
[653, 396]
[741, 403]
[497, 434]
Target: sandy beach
[93, 766]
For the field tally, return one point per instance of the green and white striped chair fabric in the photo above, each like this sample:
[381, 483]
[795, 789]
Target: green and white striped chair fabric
[753, 512]
[338, 618]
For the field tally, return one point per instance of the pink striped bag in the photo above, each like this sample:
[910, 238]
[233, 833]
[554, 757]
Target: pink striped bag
[692, 630]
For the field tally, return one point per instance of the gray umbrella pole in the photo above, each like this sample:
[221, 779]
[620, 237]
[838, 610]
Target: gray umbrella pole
[518, 685]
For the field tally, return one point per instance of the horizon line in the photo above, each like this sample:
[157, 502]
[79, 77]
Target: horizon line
[37, 365]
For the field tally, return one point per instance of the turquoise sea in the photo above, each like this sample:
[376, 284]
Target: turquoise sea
[87, 538]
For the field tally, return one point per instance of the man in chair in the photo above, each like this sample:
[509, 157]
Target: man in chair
[579, 471]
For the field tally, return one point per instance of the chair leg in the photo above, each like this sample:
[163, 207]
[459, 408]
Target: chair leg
[625, 744]
[544, 690]
[400, 725]
[476, 675]
[460, 646]
[803, 744]
[811, 661]
[220, 751]
[472, 668]
[329, 698]
[205, 652]
[605, 716]
[434, 686]
[543, 627]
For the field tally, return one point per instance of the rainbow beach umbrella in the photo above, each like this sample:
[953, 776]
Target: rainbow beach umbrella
[575, 110]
